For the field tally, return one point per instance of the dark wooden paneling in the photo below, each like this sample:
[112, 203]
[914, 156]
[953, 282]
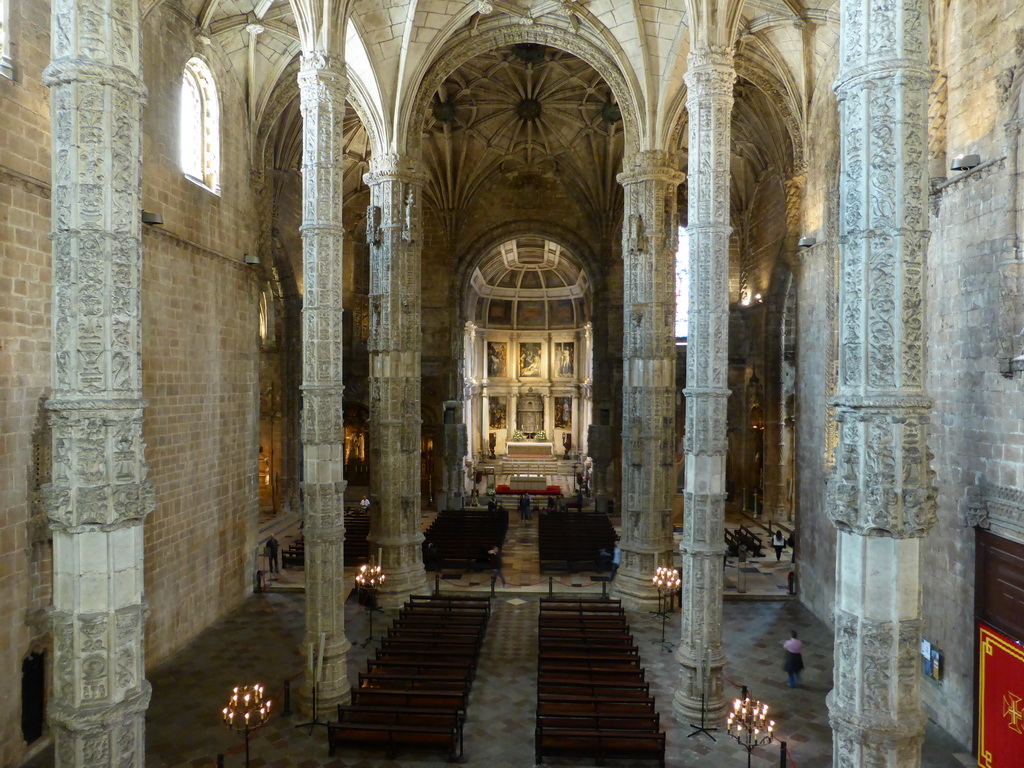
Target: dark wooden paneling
[999, 584]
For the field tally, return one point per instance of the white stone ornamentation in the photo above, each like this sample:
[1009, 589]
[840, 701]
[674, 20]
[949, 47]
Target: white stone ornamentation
[99, 493]
[322, 86]
[709, 81]
[649, 243]
[882, 491]
[393, 232]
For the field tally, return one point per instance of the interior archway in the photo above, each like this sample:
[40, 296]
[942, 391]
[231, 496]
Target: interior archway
[528, 358]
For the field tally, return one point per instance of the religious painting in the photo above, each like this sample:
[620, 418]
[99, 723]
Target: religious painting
[498, 417]
[565, 353]
[531, 314]
[529, 358]
[499, 313]
[562, 314]
[563, 413]
[497, 358]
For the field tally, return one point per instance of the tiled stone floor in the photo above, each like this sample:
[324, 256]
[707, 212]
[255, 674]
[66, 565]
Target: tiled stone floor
[260, 641]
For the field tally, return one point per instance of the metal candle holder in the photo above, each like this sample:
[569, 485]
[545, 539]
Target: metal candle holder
[246, 711]
[748, 723]
[667, 581]
[369, 578]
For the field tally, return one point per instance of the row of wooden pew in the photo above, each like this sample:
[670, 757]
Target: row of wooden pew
[571, 540]
[414, 693]
[592, 698]
[743, 539]
[460, 538]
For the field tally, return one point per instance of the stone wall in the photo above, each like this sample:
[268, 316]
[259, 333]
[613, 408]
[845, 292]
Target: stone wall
[200, 342]
[200, 354]
[24, 362]
[815, 357]
[977, 432]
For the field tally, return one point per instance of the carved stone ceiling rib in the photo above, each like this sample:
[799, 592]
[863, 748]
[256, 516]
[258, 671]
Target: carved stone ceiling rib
[523, 109]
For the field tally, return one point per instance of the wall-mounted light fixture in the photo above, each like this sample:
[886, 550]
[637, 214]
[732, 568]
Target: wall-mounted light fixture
[965, 162]
[807, 241]
[152, 217]
[250, 259]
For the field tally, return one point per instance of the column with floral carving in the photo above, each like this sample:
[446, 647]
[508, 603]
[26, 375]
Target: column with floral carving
[322, 87]
[881, 494]
[393, 232]
[99, 495]
[649, 243]
[709, 83]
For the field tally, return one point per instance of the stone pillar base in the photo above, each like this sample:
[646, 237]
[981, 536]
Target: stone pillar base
[398, 586]
[636, 592]
[687, 704]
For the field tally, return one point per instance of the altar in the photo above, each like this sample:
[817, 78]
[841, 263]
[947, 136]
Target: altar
[529, 449]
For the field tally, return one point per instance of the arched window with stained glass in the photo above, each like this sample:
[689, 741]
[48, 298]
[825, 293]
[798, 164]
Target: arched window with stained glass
[200, 125]
[682, 287]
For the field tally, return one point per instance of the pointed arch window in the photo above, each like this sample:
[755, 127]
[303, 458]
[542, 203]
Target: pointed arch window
[682, 287]
[200, 125]
[6, 62]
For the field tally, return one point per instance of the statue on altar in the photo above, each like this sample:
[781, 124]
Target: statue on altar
[530, 413]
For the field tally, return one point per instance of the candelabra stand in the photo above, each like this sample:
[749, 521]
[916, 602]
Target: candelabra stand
[369, 578]
[703, 727]
[246, 711]
[748, 723]
[667, 581]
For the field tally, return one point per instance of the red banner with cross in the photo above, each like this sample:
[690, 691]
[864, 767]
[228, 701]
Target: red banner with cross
[1000, 700]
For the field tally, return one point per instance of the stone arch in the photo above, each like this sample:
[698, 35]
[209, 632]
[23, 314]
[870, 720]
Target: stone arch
[561, 39]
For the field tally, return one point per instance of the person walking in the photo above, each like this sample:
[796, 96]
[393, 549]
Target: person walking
[794, 662]
[494, 554]
[271, 549]
[364, 503]
[616, 559]
[778, 544]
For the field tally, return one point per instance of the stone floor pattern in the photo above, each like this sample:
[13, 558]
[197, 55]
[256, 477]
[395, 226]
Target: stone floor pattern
[260, 642]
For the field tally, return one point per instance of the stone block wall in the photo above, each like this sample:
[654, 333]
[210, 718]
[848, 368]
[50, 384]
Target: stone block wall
[25, 566]
[977, 432]
[200, 353]
[200, 346]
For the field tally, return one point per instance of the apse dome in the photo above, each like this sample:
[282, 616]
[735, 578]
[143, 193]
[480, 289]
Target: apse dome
[529, 283]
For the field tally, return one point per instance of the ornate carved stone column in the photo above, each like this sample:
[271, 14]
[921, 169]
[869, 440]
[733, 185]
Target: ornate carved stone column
[99, 494]
[393, 231]
[709, 83]
[881, 495]
[649, 242]
[322, 86]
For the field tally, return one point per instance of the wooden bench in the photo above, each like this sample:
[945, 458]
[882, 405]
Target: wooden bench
[418, 667]
[560, 705]
[624, 644]
[599, 744]
[627, 720]
[750, 541]
[390, 697]
[440, 731]
[567, 541]
[584, 653]
[573, 621]
[458, 682]
[595, 690]
[429, 647]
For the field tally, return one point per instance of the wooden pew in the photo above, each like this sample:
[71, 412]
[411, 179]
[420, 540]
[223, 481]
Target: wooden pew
[599, 744]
